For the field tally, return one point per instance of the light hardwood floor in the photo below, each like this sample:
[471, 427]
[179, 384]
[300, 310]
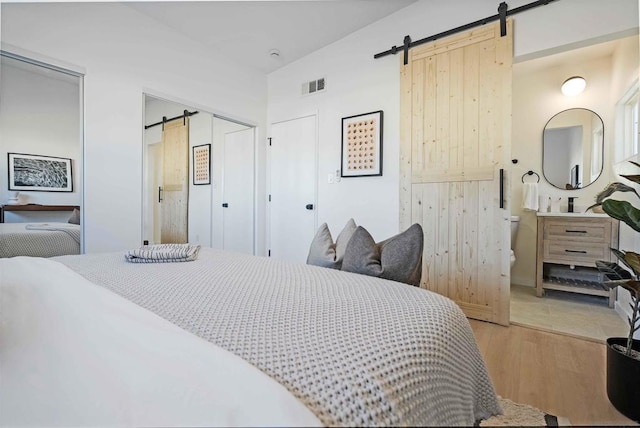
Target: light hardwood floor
[560, 375]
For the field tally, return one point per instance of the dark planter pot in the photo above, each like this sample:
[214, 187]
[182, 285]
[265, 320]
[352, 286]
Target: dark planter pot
[623, 379]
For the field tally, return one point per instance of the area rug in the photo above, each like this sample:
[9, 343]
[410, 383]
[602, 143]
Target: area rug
[523, 415]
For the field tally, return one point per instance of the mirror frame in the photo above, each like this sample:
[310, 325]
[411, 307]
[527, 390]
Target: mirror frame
[601, 147]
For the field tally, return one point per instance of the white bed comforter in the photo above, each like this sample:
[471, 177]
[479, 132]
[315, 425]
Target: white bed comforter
[39, 239]
[75, 354]
[356, 350]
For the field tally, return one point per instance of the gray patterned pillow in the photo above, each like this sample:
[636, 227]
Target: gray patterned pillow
[324, 252]
[398, 258]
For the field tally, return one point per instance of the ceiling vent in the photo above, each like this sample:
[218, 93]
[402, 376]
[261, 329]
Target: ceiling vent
[313, 86]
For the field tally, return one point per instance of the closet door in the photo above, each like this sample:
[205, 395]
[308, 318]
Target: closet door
[237, 210]
[455, 139]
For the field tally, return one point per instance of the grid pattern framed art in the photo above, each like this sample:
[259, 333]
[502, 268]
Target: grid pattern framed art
[362, 145]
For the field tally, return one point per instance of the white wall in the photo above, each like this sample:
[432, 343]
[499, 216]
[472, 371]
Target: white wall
[358, 83]
[124, 54]
[623, 61]
[40, 116]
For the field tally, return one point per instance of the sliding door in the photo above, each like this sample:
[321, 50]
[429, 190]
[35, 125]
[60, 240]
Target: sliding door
[175, 182]
[237, 208]
[455, 139]
[41, 123]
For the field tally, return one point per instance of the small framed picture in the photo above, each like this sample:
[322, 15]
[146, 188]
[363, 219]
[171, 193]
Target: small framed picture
[39, 173]
[362, 145]
[202, 164]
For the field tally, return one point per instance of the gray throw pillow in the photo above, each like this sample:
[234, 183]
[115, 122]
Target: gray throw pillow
[75, 217]
[324, 252]
[398, 258]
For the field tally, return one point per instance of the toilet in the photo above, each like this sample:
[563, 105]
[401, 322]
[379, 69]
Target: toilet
[515, 221]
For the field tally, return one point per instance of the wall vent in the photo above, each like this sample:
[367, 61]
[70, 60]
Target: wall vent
[314, 86]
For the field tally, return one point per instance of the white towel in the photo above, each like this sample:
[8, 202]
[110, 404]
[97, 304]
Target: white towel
[530, 197]
[163, 253]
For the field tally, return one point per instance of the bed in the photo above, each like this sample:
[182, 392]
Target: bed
[230, 339]
[39, 239]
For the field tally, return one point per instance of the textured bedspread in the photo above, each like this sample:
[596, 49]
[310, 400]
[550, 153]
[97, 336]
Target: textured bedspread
[355, 350]
[39, 239]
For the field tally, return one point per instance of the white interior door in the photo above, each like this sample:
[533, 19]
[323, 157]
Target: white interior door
[237, 211]
[293, 188]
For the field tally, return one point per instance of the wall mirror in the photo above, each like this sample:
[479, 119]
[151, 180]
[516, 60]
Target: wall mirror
[41, 155]
[198, 178]
[572, 149]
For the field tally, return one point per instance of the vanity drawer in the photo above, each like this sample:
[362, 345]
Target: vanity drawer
[583, 231]
[575, 252]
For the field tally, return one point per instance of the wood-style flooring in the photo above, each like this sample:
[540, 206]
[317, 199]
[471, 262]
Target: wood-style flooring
[578, 315]
[561, 375]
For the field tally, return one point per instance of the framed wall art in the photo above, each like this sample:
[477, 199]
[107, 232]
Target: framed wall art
[202, 164]
[362, 145]
[39, 173]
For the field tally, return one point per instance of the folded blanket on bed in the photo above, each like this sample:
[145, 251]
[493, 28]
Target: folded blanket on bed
[163, 253]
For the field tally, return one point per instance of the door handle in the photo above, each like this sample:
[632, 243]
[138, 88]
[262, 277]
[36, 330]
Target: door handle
[159, 194]
[309, 206]
[575, 251]
[225, 205]
[501, 187]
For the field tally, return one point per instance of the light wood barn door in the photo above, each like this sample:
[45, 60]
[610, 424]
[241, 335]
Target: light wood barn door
[175, 182]
[455, 138]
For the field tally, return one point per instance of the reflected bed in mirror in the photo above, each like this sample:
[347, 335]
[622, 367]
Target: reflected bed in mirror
[573, 142]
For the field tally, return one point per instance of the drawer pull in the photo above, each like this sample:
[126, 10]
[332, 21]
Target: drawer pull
[576, 231]
[576, 251]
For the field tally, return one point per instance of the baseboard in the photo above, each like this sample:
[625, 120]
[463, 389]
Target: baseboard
[526, 282]
[558, 332]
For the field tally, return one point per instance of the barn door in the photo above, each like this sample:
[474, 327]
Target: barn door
[455, 139]
[174, 192]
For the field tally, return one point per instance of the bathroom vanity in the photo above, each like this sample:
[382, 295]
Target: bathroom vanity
[568, 246]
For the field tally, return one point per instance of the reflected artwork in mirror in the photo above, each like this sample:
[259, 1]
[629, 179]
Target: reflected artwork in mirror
[572, 149]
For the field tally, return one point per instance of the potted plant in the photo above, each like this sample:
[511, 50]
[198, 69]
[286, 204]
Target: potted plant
[623, 354]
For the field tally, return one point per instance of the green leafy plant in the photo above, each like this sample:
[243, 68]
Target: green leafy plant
[617, 276]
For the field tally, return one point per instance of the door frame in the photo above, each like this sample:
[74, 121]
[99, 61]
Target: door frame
[287, 118]
[215, 113]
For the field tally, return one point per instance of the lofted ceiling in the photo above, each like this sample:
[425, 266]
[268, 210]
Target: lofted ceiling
[246, 31]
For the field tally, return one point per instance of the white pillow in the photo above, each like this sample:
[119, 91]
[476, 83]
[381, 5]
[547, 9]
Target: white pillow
[324, 252]
[75, 217]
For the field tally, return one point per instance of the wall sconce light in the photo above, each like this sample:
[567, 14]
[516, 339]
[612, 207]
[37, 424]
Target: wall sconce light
[573, 86]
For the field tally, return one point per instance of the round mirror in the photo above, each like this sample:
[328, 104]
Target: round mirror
[572, 147]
